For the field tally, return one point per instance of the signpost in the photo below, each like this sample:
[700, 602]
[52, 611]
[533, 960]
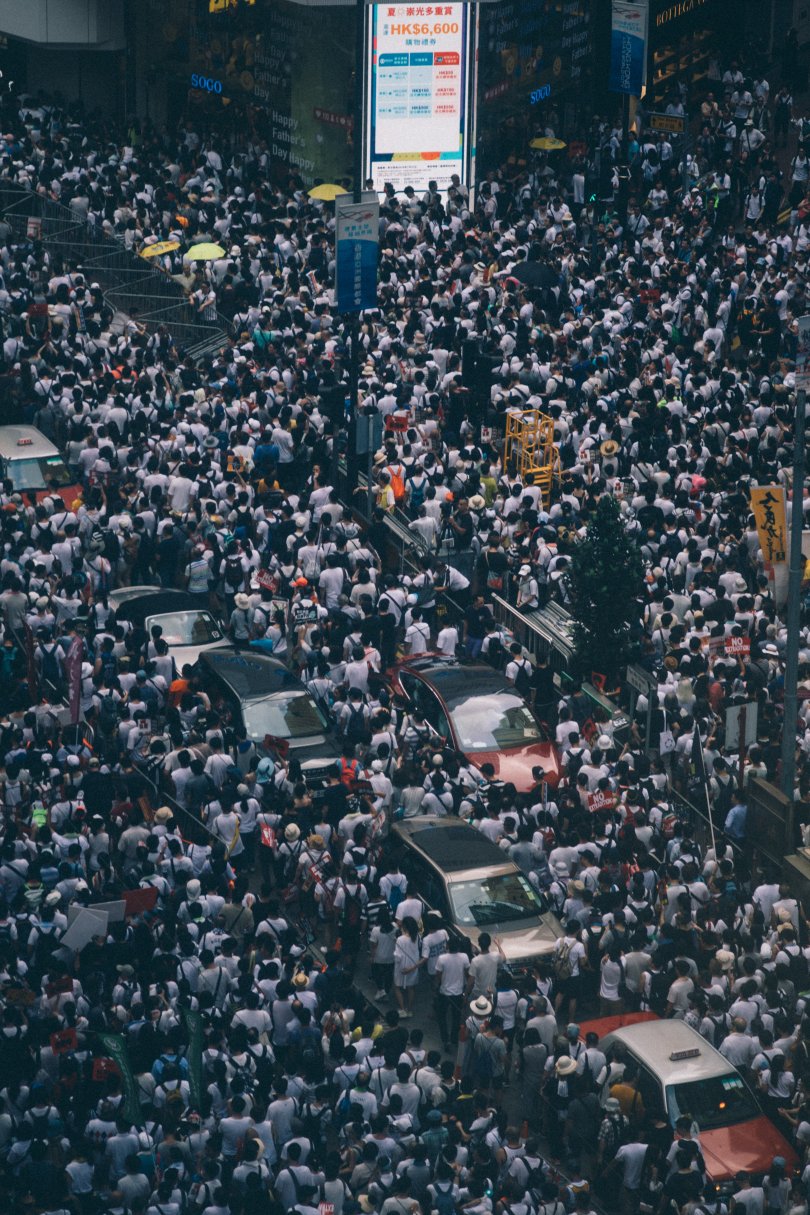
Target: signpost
[357, 237]
[796, 565]
[642, 681]
[670, 124]
[741, 732]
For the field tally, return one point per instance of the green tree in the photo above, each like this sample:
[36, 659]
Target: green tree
[605, 580]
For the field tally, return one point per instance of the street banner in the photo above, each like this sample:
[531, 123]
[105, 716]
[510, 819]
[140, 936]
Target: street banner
[628, 47]
[357, 236]
[116, 1048]
[73, 665]
[194, 1029]
[802, 352]
[768, 506]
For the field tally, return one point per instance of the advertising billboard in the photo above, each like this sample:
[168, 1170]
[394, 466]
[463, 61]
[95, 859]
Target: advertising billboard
[628, 47]
[417, 121]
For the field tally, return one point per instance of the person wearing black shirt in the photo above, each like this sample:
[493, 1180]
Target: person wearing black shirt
[462, 525]
[545, 698]
[476, 619]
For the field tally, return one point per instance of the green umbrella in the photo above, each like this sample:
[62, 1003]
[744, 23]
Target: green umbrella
[205, 252]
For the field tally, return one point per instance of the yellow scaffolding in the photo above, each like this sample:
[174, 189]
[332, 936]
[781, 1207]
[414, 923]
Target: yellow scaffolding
[529, 449]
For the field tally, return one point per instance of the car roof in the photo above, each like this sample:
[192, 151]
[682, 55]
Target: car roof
[249, 673]
[654, 1042]
[25, 443]
[455, 680]
[156, 603]
[452, 846]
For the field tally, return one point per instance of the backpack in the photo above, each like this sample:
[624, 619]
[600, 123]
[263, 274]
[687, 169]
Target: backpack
[357, 726]
[109, 665]
[174, 1101]
[50, 666]
[395, 897]
[397, 482]
[562, 961]
[483, 1063]
[352, 908]
[444, 1203]
[108, 714]
[417, 499]
[312, 1122]
[659, 988]
[523, 683]
[721, 1029]
[234, 574]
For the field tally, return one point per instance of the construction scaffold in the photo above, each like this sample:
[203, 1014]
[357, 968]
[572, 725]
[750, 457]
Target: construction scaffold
[530, 451]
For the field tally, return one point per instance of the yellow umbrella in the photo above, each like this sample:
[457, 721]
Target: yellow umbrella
[206, 252]
[327, 191]
[160, 247]
[546, 144]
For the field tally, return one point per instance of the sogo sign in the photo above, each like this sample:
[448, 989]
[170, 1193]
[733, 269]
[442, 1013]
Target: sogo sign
[207, 83]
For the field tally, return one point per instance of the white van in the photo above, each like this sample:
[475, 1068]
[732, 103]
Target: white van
[34, 465]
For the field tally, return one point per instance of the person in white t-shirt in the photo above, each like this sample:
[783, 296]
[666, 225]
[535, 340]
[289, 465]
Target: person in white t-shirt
[451, 972]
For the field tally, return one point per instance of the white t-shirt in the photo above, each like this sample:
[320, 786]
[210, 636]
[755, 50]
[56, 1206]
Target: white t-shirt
[452, 967]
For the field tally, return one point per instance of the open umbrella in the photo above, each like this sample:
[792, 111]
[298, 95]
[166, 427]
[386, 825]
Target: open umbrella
[159, 248]
[327, 191]
[205, 252]
[546, 143]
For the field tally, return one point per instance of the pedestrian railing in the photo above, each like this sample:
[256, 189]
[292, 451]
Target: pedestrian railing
[130, 284]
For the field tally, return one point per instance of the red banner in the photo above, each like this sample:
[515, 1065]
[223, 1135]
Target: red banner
[738, 646]
[141, 900]
[64, 1042]
[601, 799]
[73, 666]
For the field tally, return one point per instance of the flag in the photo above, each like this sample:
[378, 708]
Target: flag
[116, 1048]
[698, 759]
[73, 665]
[768, 507]
[194, 1030]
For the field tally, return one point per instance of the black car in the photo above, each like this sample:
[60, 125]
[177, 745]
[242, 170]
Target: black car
[277, 711]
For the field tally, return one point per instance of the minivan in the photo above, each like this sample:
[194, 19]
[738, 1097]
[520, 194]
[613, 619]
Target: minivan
[476, 888]
[34, 465]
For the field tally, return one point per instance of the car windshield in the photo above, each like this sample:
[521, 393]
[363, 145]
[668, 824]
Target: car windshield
[187, 628]
[504, 896]
[40, 472]
[713, 1102]
[493, 723]
[292, 716]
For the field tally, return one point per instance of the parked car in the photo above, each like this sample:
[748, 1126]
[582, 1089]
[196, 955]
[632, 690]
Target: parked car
[273, 705]
[475, 887]
[480, 714]
[681, 1073]
[188, 629]
[34, 465]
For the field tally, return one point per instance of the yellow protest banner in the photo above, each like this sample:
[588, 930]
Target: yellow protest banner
[768, 505]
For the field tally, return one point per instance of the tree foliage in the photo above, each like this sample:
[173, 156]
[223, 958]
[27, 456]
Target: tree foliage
[605, 581]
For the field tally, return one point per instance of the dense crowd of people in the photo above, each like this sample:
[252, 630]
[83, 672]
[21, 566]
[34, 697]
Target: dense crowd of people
[207, 1049]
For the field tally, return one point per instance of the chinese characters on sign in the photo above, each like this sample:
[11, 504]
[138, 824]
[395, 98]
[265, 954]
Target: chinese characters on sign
[628, 47]
[417, 94]
[357, 228]
[768, 505]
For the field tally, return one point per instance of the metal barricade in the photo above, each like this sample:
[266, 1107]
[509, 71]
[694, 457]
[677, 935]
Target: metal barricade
[130, 284]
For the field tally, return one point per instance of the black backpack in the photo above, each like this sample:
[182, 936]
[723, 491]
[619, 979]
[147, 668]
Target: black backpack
[352, 908]
[108, 716]
[357, 726]
[523, 681]
[660, 984]
[234, 574]
[50, 665]
[722, 1028]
